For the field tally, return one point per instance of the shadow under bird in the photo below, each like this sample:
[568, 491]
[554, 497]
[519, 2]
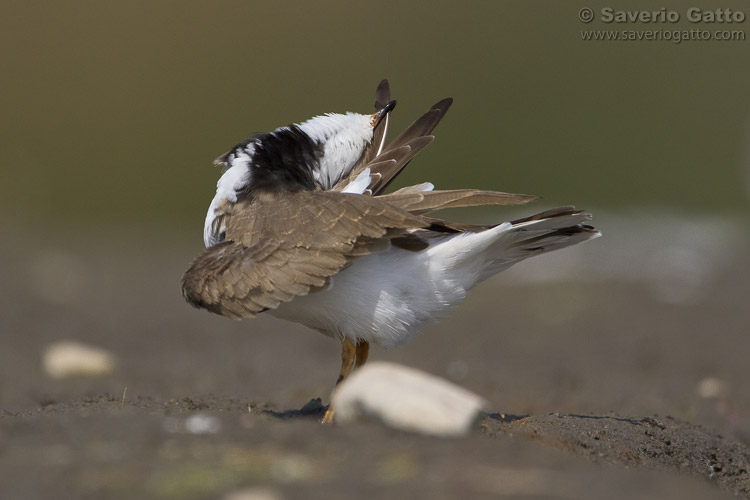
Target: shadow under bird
[301, 228]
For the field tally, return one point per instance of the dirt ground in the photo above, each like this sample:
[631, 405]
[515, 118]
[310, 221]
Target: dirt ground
[598, 390]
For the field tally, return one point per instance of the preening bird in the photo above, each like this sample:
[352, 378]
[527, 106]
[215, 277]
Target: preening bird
[301, 228]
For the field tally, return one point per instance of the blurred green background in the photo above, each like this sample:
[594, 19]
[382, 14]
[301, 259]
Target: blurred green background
[113, 111]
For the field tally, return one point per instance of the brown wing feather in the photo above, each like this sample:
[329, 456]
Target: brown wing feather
[389, 164]
[554, 212]
[403, 148]
[429, 201]
[238, 281]
[282, 247]
[421, 128]
[403, 155]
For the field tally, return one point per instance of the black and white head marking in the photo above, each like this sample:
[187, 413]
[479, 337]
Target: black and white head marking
[283, 161]
[315, 154]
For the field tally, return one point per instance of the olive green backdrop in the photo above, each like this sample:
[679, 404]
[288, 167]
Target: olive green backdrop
[113, 111]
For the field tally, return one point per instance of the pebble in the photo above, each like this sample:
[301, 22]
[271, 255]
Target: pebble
[711, 387]
[68, 358]
[200, 423]
[253, 494]
[407, 399]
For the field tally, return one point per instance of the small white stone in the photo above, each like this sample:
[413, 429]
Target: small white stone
[201, 423]
[407, 399]
[68, 358]
[253, 494]
[711, 387]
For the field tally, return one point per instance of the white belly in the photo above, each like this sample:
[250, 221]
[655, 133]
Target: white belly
[387, 297]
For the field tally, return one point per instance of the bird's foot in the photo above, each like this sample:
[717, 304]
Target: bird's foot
[328, 417]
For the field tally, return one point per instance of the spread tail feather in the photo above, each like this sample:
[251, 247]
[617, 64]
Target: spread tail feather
[540, 233]
[478, 254]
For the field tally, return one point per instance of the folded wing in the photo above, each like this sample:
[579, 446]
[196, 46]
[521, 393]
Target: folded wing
[278, 249]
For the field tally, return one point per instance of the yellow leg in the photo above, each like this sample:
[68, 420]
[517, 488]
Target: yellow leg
[348, 357]
[363, 349]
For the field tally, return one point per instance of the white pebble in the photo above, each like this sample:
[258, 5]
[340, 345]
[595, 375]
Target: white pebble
[253, 494]
[200, 423]
[407, 399]
[68, 358]
[712, 387]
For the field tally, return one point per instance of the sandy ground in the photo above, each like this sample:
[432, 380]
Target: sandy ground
[599, 389]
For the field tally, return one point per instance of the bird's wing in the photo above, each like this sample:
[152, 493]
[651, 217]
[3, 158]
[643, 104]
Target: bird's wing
[428, 201]
[289, 246]
[397, 154]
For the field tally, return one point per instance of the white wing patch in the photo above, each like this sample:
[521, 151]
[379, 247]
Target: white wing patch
[360, 184]
[425, 186]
